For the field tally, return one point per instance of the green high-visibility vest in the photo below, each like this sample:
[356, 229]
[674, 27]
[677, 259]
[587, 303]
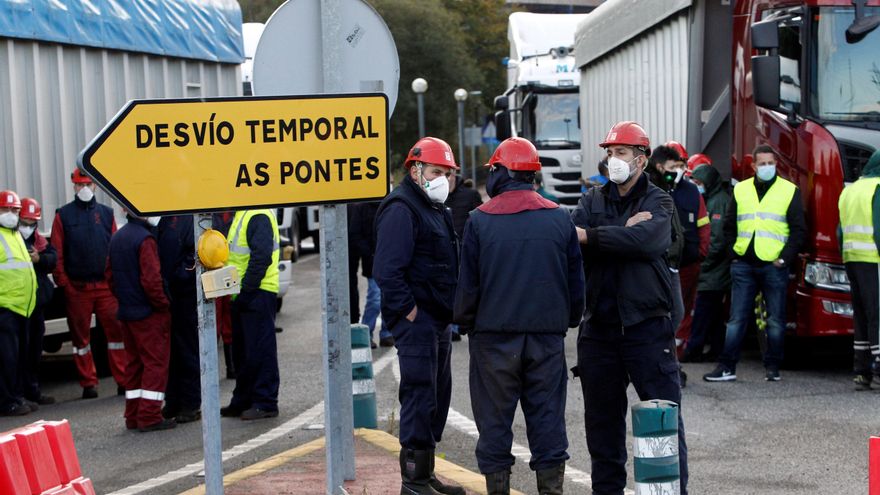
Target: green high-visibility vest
[18, 281]
[240, 252]
[857, 220]
[764, 220]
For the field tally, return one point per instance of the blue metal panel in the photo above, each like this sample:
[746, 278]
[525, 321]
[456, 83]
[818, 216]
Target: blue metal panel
[194, 29]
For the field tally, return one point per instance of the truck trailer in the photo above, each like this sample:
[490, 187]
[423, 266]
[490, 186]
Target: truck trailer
[69, 66]
[541, 102]
[723, 77]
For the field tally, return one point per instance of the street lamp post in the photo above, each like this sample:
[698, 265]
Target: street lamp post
[419, 86]
[461, 95]
[475, 94]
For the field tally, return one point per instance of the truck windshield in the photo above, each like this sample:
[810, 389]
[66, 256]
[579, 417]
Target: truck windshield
[847, 75]
[554, 119]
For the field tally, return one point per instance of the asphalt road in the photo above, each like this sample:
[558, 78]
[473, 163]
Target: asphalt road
[805, 434]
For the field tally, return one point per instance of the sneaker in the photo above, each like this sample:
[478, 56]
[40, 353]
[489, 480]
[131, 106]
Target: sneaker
[386, 342]
[720, 374]
[188, 416]
[862, 382]
[90, 393]
[17, 410]
[165, 424]
[772, 376]
[257, 413]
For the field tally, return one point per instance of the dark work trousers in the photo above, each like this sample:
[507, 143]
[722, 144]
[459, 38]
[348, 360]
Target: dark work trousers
[148, 345]
[424, 348]
[690, 276]
[255, 351]
[12, 326]
[644, 355]
[863, 279]
[708, 326]
[31, 354]
[359, 254]
[507, 368]
[184, 386]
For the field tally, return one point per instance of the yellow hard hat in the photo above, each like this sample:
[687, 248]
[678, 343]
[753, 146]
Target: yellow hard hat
[212, 249]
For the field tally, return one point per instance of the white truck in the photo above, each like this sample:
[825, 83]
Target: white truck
[294, 223]
[541, 102]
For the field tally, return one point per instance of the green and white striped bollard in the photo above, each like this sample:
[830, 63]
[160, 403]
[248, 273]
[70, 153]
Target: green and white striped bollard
[363, 389]
[655, 447]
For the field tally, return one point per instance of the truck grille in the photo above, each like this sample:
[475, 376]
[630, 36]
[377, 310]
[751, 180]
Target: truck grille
[549, 162]
[854, 159]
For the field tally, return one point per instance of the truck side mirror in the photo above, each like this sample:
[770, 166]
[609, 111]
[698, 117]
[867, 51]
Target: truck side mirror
[502, 124]
[765, 81]
[765, 35]
[501, 103]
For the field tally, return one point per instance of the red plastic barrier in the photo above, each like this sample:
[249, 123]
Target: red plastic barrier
[63, 450]
[83, 486]
[37, 459]
[874, 466]
[60, 490]
[13, 480]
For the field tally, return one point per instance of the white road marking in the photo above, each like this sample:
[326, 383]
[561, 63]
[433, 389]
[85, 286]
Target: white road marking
[305, 419]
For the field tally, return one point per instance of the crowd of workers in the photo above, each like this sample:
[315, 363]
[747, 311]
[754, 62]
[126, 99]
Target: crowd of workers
[139, 282]
[645, 265]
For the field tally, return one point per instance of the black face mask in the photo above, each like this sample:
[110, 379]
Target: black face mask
[669, 177]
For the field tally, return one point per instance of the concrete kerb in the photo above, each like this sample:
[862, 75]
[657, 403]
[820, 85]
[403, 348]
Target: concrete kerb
[470, 480]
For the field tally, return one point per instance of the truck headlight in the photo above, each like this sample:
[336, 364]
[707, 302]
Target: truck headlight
[826, 276]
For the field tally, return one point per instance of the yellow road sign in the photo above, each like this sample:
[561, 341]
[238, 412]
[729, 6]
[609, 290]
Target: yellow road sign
[160, 157]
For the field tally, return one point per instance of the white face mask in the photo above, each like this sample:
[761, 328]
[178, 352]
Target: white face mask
[437, 189]
[619, 170]
[27, 230]
[153, 221]
[9, 220]
[85, 194]
[766, 172]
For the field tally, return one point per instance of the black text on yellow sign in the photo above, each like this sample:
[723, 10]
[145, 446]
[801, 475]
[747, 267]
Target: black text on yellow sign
[189, 155]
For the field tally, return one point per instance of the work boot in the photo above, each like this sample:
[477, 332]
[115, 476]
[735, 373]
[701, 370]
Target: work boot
[165, 424]
[386, 341]
[862, 382]
[33, 406]
[438, 485]
[550, 480]
[255, 413]
[45, 400]
[188, 416]
[90, 393]
[415, 472]
[498, 483]
[16, 410]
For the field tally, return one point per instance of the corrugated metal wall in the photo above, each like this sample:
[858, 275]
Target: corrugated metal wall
[54, 99]
[645, 80]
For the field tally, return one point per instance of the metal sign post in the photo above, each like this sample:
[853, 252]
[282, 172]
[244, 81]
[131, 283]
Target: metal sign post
[338, 414]
[211, 435]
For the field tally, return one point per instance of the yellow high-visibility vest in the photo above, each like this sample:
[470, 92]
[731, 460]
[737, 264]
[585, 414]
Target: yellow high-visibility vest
[240, 253]
[18, 281]
[764, 220]
[856, 207]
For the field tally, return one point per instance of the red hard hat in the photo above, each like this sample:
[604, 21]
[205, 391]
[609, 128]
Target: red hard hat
[30, 209]
[516, 154]
[77, 177]
[698, 159]
[678, 149]
[432, 151]
[8, 199]
[627, 133]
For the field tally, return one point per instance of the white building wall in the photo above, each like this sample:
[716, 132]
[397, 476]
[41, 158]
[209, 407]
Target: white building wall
[54, 99]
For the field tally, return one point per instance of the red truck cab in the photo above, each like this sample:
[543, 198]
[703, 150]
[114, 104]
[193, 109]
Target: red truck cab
[806, 80]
